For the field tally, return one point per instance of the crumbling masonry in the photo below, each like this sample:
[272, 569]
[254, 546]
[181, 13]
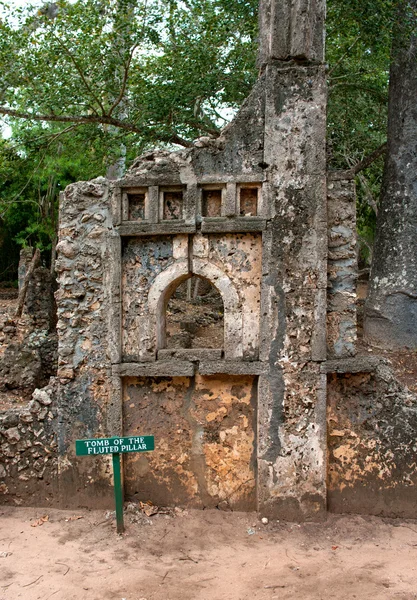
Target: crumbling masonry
[245, 425]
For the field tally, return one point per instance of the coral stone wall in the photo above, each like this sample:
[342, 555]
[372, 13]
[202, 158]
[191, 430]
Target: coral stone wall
[28, 451]
[84, 301]
[342, 268]
[236, 257]
[372, 423]
[118, 268]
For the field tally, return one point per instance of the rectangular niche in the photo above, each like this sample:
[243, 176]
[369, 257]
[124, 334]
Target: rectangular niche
[135, 204]
[248, 198]
[211, 200]
[172, 203]
[219, 411]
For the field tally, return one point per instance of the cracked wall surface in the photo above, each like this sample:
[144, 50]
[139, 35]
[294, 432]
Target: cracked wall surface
[372, 420]
[205, 428]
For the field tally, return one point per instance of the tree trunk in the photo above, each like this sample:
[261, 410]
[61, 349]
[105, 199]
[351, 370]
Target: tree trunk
[391, 307]
[23, 290]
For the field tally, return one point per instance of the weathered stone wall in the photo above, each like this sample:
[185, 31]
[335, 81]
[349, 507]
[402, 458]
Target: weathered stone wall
[342, 268]
[28, 451]
[372, 420]
[142, 262]
[205, 429]
[40, 303]
[239, 256]
[28, 410]
[153, 267]
[30, 357]
[291, 430]
[242, 425]
[121, 255]
[84, 301]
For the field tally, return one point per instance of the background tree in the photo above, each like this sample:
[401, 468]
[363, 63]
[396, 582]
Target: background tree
[358, 53]
[391, 308]
[97, 78]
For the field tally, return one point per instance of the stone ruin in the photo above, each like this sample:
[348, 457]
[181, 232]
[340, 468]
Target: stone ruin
[28, 365]
[271, 410]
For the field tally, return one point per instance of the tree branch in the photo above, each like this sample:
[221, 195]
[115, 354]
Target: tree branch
[124, 82]
[360, 166]
[368, 160]
[80, 72]
[368, 194]
[341, 59]
[90, 120]
[377, 93]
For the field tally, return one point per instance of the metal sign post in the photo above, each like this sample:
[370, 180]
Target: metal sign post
[115, 446]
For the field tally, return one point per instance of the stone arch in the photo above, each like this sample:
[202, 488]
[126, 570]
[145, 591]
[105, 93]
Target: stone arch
[159, 294]
[168, 280]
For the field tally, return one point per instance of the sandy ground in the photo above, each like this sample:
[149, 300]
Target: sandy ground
[206, 555]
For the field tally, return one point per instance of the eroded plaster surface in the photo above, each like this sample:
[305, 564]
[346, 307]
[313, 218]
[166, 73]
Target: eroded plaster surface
[204, 429]
[152, 268]
[372, 420]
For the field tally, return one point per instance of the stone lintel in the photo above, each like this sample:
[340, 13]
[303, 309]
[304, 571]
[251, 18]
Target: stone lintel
[236, 225]
[360, 364]
[232, 368]
[221, 178]
[166, 228]
[161, 180]
[171, 368]
[147, 180]
[190, 354]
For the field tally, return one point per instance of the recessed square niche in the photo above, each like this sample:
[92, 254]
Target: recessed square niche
[135, 204]
[211, 201]
[172, 200]
[248, 200]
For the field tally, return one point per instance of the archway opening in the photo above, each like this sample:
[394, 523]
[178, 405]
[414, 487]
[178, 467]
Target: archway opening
[195, 315]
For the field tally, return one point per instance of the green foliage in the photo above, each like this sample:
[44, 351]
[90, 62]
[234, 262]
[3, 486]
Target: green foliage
[358, 53]
[108, 77]
[164, 70]
[359, 35]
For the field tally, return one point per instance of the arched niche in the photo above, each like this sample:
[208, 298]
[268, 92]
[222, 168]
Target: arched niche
[195, 316]
[167, 281]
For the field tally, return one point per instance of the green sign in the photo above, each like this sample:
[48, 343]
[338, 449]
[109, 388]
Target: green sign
[114, 445]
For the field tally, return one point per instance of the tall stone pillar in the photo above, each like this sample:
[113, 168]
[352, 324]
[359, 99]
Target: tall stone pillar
[292, 414]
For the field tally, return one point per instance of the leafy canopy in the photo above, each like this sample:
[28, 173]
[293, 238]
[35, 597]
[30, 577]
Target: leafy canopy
[86, 81]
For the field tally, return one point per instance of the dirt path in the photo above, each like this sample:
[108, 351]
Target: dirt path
[208, 555]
